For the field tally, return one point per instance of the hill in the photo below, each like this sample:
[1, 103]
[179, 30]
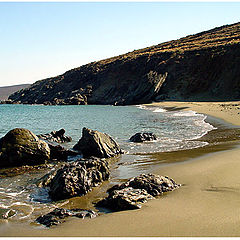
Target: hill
[5, 92]
[201, 67]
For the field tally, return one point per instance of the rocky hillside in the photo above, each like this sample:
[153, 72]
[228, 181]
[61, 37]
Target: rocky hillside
[201, 67]
[8, 90]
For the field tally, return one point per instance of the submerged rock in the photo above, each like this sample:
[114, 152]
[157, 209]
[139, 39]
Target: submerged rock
[75, 178]
[137, 190]
[142, 137]
[58, 215]
[94, 143]
[56, 136]
[20, 146]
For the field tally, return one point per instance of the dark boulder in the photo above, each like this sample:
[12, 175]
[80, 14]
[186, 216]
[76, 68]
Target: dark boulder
[94, 143]
[154, 184]
[22, 147]
[142, 137]
[60, 153]
[75, 178]
[56, 136]
[58, 215]
[137, 190]
[125, 199]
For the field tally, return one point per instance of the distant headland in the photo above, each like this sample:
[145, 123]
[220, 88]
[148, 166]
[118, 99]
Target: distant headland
[8, 90]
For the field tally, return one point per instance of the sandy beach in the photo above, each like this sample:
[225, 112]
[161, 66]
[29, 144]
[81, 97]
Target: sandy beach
[206, 205]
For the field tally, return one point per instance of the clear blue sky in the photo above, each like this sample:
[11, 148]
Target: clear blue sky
[39, 40]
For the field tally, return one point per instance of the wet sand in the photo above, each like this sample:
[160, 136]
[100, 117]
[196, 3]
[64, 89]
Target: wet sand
[206, 205]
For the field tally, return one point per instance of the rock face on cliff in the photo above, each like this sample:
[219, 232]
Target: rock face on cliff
[203, 66]
[20, 146]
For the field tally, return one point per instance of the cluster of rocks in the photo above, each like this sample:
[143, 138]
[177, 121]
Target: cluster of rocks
[136, 191]
[76, 178]
[126, 196]
[22, 147]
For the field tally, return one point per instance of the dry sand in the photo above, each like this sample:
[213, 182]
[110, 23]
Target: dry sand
[206, 205]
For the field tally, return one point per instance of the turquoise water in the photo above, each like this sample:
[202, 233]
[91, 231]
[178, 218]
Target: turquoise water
[176, 130]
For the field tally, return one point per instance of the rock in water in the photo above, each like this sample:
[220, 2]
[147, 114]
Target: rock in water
[61, 153]
[56, 136]
[76, 178]
[20, 146]
[142, 137]
[94, 143]
[58, 215]
[137, 190]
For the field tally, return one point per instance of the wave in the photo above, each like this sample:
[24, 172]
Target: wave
[176, 130]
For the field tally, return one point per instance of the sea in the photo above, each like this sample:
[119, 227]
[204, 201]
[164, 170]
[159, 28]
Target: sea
[175, 129]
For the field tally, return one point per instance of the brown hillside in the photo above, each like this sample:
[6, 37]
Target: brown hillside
[203, 67]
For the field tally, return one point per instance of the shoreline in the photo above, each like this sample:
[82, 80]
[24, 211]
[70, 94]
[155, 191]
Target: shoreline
[227, 111]
[206, 204]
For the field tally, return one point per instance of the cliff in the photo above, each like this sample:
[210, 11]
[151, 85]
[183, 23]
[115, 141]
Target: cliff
[201, 67]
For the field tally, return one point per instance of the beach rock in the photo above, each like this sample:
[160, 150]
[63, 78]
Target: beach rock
[58, 215]
[94, 143]
[76, 178]
[22, 147]
[154, 184]
[61, 153]
[142, 137]
[56, 136]
[137, 190]
[125, 199]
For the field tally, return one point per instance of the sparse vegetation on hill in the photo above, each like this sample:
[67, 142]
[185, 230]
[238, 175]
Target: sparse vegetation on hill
[203, 67]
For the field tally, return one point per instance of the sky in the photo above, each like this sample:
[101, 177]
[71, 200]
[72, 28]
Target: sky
[45, 39]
